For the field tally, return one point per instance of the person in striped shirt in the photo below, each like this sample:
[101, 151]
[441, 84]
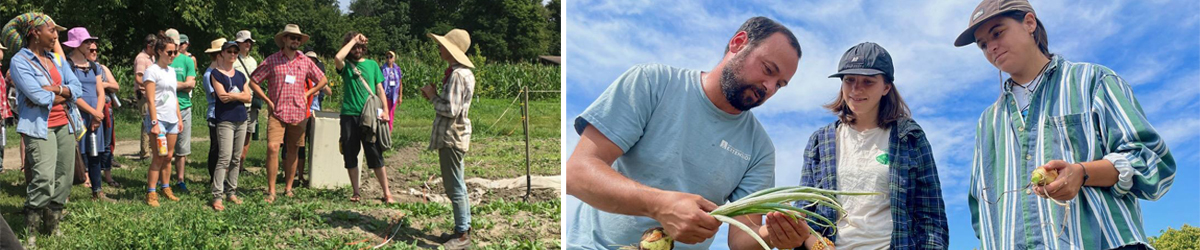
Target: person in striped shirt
[1080, 120]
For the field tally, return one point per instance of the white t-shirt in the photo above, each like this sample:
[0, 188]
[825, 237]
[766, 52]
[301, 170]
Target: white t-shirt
[862, 166]
[1022, 93]
[166, 102]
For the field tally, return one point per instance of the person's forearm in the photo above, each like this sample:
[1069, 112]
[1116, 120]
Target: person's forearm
[111, 85]
[597, 184]
[244, 97]
[100, 96]
[151, 110]
[738, 239]
[321, 84]
[258, 91]
[188, 84]
[85, 107]
[340, 57]
[1101, 173]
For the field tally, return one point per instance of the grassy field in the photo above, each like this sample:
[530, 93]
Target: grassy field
[316, 218]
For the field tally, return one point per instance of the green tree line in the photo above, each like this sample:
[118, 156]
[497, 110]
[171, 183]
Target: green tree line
[504, 30]
[512, 32]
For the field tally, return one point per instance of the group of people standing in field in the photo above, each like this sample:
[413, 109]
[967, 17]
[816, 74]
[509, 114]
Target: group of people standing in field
[64, 102]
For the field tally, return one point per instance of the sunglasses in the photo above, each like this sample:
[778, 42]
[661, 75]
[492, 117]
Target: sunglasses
[230, 51]
[172, 52]
[92, 50]
[294, 37]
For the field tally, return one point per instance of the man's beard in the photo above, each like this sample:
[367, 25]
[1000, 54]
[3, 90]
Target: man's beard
[737, 91]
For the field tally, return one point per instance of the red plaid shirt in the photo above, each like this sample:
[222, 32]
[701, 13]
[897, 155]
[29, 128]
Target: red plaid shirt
[287, 80]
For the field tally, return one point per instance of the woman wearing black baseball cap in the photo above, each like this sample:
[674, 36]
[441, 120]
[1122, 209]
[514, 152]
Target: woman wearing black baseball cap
[874, 146]
[1078, 121]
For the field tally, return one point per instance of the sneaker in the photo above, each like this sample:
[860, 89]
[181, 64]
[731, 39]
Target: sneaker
[458, 241]
[169, 194]
[99, 196]
[182, 187]
[152, 199]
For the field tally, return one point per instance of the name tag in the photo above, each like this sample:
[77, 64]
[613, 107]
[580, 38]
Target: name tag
[289, 79]
[392, 83]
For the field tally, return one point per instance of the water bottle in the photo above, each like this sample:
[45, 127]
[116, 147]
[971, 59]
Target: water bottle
[162, 144]
[93, 151]
[3, 135]
[113, 98]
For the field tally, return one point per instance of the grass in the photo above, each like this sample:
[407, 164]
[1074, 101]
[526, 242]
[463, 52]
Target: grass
[315, 218]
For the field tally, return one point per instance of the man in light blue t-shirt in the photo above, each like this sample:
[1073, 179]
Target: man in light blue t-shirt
[664, 145]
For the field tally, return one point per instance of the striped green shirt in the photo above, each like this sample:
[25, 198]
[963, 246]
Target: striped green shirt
[1079, 112]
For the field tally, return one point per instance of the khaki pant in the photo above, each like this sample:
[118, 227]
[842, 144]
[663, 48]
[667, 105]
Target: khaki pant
[51, 162]
[230, 136]
[146, 141]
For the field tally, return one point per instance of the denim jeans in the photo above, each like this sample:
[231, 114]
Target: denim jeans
[456, 188]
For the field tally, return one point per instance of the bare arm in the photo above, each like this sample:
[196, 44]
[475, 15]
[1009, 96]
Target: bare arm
[258, 91]
[592, 179]
[339, 60]
[219, 89]
[779, 231]
[100, 97]
[148, 86]
[110, 86]
[187, 84]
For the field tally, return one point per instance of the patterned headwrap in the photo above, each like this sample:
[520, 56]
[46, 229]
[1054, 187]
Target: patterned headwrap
[14, 32]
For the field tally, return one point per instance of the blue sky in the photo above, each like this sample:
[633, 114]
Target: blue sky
[1153, 45]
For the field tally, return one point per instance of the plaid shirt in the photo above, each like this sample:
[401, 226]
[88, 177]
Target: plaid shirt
[918, 213]
[286, 83]
[451, 127]
[1079, 112]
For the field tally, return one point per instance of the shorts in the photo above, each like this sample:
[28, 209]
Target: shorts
[183, 145]
[279, 132]
[166, 127]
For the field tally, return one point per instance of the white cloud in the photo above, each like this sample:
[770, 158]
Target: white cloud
[945, 86]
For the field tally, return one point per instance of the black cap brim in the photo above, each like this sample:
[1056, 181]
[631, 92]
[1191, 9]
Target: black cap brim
[865, 72]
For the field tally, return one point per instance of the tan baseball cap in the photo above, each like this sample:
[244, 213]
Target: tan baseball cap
[987, 10]
[173, 34]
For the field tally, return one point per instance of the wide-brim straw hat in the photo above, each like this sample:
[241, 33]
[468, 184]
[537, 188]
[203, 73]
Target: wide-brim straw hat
[290, 29]
[218, 45]
[457, 41]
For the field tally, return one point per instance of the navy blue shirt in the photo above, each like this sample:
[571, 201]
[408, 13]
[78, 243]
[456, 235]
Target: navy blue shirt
[233, 111]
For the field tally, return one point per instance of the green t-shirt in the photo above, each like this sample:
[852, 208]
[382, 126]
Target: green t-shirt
[353, 93]
[184, 67]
